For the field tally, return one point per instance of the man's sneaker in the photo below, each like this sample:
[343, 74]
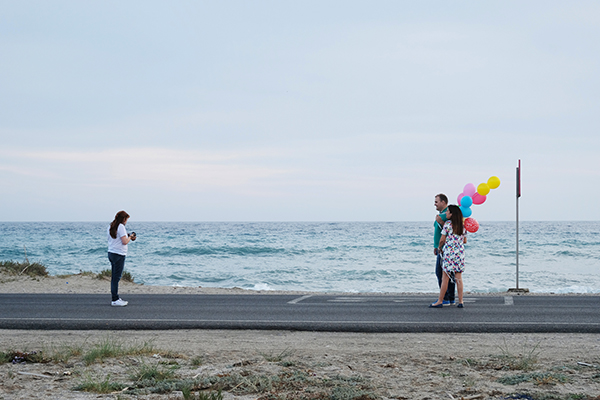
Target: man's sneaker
[447, 303]
[119, 303]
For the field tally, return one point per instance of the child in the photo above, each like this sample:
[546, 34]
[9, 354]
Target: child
[454, 237]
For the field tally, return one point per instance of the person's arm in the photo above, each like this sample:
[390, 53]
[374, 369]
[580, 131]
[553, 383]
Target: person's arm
[439, 220]
[442, 242]
[123, 233]
[443, 238]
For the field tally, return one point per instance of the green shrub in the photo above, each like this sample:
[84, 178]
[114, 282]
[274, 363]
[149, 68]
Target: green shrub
[107, 274]
[127, 277]
[104, 274]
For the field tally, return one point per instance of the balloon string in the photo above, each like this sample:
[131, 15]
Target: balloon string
[450, 278]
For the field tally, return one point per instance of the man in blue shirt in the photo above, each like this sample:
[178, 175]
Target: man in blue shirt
[441, 205]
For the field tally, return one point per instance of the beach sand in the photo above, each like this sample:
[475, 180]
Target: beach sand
[343, 365]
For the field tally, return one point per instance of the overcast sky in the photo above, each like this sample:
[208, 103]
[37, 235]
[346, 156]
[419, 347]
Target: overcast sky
[296, 111]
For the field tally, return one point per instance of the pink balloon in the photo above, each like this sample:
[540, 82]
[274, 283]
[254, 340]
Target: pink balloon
[460, 196]
[469, 189]
[479, 199]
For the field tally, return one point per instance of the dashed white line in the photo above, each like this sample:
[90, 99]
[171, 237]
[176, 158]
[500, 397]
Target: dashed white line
[348, 300]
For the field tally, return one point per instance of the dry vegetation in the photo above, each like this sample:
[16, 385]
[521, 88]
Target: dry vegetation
[133, 369]
[36, 269]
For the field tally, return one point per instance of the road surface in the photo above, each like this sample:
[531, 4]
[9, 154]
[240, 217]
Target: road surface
[348, 313]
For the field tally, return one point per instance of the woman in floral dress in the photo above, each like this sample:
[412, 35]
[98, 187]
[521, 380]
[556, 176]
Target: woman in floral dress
[452, 244]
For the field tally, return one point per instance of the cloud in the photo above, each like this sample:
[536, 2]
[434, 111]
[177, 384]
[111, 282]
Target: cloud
[182, 169]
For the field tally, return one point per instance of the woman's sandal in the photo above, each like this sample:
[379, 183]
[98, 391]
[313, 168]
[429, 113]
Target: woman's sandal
[433, 305]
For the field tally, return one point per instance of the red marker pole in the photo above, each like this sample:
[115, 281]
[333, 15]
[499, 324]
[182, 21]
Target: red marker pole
[518, 195]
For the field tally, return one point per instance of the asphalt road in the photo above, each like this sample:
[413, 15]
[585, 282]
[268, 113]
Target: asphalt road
[349, 313]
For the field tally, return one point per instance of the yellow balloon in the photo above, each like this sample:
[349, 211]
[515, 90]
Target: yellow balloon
[483, 189]
[493, 182]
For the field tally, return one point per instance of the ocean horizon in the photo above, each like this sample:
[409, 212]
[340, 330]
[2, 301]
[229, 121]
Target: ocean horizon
[376, 257]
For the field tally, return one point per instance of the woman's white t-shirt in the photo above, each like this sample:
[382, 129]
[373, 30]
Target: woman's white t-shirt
[116, 245]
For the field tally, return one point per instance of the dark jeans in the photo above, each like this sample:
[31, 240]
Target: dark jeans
[439, 272]
[117, 262]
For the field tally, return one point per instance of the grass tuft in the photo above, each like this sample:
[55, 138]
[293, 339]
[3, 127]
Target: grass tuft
[24, 268]
[5, 357]
[106, 274]
[63, 353]
[110, 348]
[197, 361]
[153, 373]
[90, 384]
[524, 361]
[538, 378]
[189, 395]
[273, 357]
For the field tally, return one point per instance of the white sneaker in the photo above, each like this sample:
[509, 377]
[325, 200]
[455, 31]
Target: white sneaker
[119, 303]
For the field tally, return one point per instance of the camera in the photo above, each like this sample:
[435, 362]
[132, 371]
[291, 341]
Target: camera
[132, 236]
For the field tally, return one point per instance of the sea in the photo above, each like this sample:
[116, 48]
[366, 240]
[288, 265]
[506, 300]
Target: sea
[375, 257]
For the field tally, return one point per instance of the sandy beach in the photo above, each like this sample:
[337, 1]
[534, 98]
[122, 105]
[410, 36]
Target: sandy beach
[293, 365]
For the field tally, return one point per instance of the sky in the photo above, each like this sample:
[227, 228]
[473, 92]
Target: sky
[297, 110]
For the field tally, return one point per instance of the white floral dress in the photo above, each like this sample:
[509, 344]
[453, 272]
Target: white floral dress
[454, 249]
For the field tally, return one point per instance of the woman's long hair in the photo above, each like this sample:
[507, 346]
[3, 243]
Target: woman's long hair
[456, 218]
[119, 218]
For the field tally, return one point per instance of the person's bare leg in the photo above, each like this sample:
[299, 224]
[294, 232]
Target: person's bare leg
[459, 286]
[443, 289]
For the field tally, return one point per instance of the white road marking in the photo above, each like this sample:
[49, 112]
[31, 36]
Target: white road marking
[508, 301]
[299, 299]
[348, 300]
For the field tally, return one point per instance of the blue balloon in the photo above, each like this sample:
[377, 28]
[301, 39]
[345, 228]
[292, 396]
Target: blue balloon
[466, 211]
[466, 201]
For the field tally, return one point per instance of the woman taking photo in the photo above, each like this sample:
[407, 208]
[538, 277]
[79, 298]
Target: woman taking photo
[117, 251]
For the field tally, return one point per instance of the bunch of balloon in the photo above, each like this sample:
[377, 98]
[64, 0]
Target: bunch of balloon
[472, 195]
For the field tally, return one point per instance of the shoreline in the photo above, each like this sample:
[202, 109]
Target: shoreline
[84, 283]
